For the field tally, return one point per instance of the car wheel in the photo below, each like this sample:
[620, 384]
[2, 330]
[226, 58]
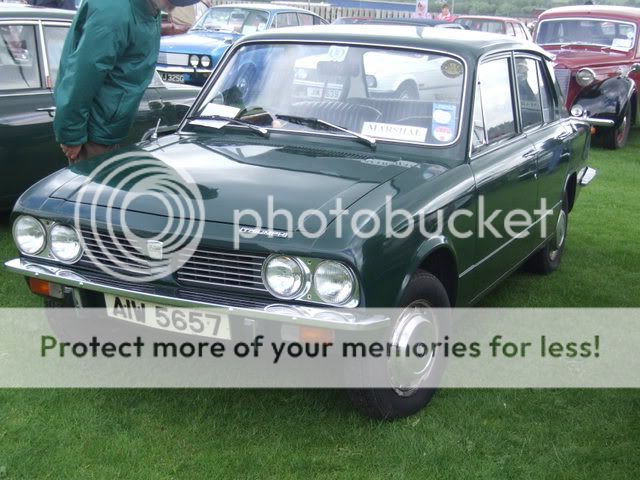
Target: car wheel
[424, 292]
[407, 91]
[547, 259]
[245, 78]
[615, 138]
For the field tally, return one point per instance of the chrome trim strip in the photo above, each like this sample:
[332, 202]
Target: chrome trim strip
[297, 315]
[174, 69]
[522, 234]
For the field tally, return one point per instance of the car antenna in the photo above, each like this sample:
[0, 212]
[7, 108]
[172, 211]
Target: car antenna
[154, 135]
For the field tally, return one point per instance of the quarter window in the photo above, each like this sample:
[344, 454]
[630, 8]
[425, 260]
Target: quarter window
[546, 96]
[54, 40]
[497, 100]
[305, 19]
[19, 68]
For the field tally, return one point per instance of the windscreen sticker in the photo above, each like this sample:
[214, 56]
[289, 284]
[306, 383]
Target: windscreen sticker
[392, 131]
[443, 121]
[222, 110]
[622, 43]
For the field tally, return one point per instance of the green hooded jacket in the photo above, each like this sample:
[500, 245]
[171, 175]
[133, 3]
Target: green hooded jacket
[107, 62]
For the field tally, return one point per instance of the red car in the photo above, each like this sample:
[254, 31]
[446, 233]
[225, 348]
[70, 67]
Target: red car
[597, 63]
[504, 25]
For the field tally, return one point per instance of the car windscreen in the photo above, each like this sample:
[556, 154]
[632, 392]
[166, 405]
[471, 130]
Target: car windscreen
[587, 31]
[388, 94]
[233, 20]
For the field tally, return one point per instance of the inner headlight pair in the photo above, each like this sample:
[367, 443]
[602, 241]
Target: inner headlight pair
[203, 60]
[289, 277]
[30, 236]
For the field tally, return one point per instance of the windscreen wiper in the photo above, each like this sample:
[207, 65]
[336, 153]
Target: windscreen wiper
[316, 122]
[263, 132]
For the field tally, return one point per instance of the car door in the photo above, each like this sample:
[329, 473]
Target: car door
[503, 161]
[547, 129]
[28, 150]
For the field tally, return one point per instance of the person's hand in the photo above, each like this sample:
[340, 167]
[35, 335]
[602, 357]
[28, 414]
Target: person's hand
[71, 152]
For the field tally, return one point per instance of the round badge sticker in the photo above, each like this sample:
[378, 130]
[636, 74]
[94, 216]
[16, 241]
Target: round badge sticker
[451, 69]
[441, 116]
[443, 134]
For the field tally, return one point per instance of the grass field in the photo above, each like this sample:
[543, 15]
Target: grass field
[488, 434]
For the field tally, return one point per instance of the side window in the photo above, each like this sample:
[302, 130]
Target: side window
[510, 30]
[528, 92]
[497, 100]
[318, 21]
[286, 20]
[304, 19]
[19, 67]
[255, 22]
[54, 41]
[546, 96]
[520, 31]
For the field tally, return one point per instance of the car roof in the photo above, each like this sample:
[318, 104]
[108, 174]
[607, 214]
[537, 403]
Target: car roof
[17, 10]
[592, 10]
[267, 7]
[469, 44]
[490, 17]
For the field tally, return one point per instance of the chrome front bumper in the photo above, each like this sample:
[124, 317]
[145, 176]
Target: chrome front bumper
[346, 320]
[177, 69]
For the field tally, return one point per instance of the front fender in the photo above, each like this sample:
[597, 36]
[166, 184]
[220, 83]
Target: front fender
[607, 99]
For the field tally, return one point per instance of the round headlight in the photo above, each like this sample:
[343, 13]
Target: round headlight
[65, 243]
[194, 60]
[585, 77]
[205, 61]
[334, 282]
[284, 277]
[29, 235]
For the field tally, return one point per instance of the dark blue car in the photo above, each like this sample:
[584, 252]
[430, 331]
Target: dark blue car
[190, 58]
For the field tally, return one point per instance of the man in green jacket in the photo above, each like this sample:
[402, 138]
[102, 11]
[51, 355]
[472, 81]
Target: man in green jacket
[107, 62]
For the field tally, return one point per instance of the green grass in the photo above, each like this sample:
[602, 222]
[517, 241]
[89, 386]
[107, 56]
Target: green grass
[488, 434]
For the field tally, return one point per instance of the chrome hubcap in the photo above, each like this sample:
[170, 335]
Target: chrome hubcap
[561, 233]
[416, 325]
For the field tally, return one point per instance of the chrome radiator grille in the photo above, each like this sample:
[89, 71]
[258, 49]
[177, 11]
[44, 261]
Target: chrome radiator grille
[202, 268]
[223, 268]
[118, 255]
[181, 59]
[563, 76]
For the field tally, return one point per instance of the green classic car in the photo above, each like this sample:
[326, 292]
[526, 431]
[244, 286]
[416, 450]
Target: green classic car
[32, 40]
[315, 188]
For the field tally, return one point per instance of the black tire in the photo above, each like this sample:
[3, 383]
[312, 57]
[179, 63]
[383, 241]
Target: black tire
[616, 138]
[547, 259]
[407, 90]
[387, 403]
[245, 78]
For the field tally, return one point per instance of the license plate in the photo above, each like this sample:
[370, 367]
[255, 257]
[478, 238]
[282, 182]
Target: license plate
[328, 93]
[173, 77]
[190, 321]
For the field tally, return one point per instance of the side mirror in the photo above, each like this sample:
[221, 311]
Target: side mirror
[635, 68]
[579, 113]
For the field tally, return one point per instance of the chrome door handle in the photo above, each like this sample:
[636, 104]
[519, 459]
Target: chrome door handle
[50, 110]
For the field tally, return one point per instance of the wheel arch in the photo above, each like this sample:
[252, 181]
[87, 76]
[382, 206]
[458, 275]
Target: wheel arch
[436, 256]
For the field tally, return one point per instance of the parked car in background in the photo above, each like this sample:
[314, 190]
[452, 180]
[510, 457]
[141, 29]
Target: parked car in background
[504, 25]
[32, 41]
[190, 58]
[418, 22]
[597, 62]
[481, 138]
[350, 20]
